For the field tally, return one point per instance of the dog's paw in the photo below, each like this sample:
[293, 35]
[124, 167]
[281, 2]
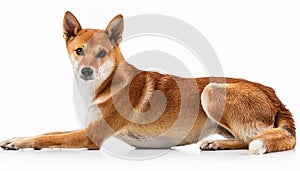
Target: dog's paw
[15, 144]
[257, 147]
[9, 144]
[210, 145]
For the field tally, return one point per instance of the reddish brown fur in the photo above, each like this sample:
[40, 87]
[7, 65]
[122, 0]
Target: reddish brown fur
[244, 110]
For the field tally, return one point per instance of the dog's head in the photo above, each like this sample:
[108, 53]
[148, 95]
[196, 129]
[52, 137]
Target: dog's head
[94, 53]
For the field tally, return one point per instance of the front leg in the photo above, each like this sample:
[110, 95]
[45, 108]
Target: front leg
[92, 137]
[102, 128]
[73, 139]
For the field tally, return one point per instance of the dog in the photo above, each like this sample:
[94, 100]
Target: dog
[152, 110]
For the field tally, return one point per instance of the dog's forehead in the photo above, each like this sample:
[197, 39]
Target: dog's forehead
[90, 38]
[99, 38]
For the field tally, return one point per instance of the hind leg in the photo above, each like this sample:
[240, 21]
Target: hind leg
[223, 145]
[240, 108]
[230, 143]
[214, 108]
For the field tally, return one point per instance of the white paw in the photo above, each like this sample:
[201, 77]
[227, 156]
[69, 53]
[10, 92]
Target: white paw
[257, 147]
[210, 145]
[13, 144]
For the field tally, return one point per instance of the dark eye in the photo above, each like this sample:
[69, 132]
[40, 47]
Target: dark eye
[79, 51]
[101, 54]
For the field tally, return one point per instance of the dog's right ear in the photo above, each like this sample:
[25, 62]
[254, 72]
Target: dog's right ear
[71, 26]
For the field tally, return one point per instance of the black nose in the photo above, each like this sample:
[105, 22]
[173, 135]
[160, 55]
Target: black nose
[87, 71]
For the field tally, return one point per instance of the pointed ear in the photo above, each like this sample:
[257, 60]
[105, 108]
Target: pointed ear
[115, 29]
[71, 26]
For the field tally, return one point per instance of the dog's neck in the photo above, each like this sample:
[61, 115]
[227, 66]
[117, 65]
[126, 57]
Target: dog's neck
[119, 79]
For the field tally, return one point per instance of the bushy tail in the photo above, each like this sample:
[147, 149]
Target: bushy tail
[282, 137]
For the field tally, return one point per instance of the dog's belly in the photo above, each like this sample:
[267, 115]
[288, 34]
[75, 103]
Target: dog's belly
[147, 142]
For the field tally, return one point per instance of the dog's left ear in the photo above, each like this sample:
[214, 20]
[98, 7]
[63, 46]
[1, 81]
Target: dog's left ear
[115, 29]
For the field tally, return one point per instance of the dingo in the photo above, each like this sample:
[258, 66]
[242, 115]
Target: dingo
[248, 113]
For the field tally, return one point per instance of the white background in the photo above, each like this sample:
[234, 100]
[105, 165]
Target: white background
[257, 40]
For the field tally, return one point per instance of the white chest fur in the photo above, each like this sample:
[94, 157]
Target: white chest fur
[84, 93]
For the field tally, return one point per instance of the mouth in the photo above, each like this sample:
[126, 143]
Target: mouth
[88, 78]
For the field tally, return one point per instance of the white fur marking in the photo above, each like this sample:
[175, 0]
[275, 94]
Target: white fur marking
[105, 70]
[205, 101]
[86, 91]
[74, 63]
[205, 94]
[257, 147]
[147, 141]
